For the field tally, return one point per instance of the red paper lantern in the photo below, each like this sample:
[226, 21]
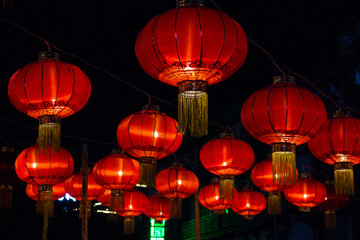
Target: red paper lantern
[283, 115]
[149, 135]
[73, 186]
[159, 208]
[191, 47]
[105, 198]
[209, 197]
[48, 90]
[262, 177]
[332, 203]
[248, 203]
[338, 143]
[176, 183]
[135, 203]
[33, 192]
[306, 193]
[227, 156]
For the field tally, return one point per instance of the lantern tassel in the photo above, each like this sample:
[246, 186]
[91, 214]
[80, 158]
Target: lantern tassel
[45, 204]
[129, 225]
[112, 217]
[49, 133]
[330, 219]
[117, 200]
[193, 108]
[6, 196]
[175, 207]
[274, 203]
[227, 187]
[344, 178]
[147, 172]
[284, 164]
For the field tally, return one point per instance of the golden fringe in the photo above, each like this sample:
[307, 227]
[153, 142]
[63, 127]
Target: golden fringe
[129, 225]
[344, 181]
[175, 207]
[193, 114]
[147, 172]
[49, 133]
[117, 200]
[6, 196]
[112, 217]
[226, 187]
[274, 203]
[45, 204]
[330, 219]
[284, 168]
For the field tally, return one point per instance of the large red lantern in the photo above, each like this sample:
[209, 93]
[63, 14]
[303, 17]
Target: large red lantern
[227, 156]
[116, 172]
[73, 186]
[48, 90]
[209, 197]
[191, 47]
[44, 169]
[149, 135]
[283, 115]
[135, 203]
[332, 203]
[249, 203]
[159, 208]
[262, 177]
[33, 191]
[306, 193]
[176, 183]
[338, 143]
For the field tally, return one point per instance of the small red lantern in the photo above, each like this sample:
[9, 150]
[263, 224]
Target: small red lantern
[48, 90]
[33, 192]
[158, 208]
[135, 203]
[149, 135]
[262, 177]
[283, 115]
[227, 156]
[209, 197]
[306, 193]
[332, 203]
[176, 183]
[104, 199]
[73, 186]
[191, 47]
[248, 203]
[116, 172]
[338, 143]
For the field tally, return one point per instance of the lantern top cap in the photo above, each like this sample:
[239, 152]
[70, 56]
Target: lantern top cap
[47, 55]
[304, 175]
[227, 134]
[283, 79]
[189, 3]
[155, 108]
[341, 113]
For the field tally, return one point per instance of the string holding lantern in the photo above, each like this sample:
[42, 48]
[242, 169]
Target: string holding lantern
[283, 115]
[227, 156]
[191, 47]
[149, 135]
[307, 193]
[249, 203]
[49, 90]
[176, 183]
[338, 143]
[32, 191]
[159, 208]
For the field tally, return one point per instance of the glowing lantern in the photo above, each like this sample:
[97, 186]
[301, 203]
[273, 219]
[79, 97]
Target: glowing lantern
[149, 135]
[48, 90]
[159, 208]
[306, 193]
[33, 192]
[248, 203]
[105, 198]
[338, 143]
[283, 115]
[227, 156]
[262, 177]
[176, 183]
[191, 47]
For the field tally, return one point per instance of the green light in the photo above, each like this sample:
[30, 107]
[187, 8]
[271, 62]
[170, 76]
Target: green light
[226, 211]
[157, 230]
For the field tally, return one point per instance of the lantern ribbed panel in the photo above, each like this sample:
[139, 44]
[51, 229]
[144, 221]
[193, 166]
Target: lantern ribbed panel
[135, 203]
[44, 168]
[58, 191]
[73, 186]
[158, 208]
[249, 202]
[105, 198]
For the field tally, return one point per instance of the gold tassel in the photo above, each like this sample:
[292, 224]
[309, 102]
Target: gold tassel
[284, 164]
[344, 178]
[6, 196]
[45, 204]
[227, 187]
[147, 172]
[112, 217]
[274, 203]
[129, 225]
[175, 207]
[49, 133]
[117, 200]
[193, 108]
[330, 219]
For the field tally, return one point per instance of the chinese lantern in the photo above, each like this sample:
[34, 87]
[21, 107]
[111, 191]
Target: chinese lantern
[283, 115]
[191, 47]
[159, 208]
[73, 186]
[209, 197]
[338, 143]
[48, 90]
[135, 203]
[227, 156]
[249, 203]
[33, 192]
[149, 135]
[262, 177]
[44, 169]
[306, 193]
[176, 183]
[332, 203]
[116, 172]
